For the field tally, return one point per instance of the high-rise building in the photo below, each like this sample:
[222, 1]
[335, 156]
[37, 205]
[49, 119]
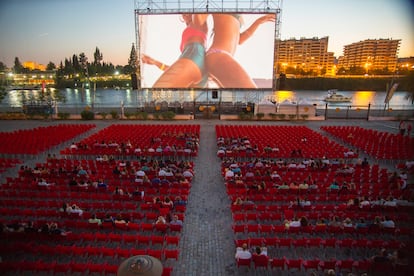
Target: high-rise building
[308, 55]
[371, 54]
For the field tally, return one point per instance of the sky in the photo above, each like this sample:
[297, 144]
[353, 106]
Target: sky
[52, 30]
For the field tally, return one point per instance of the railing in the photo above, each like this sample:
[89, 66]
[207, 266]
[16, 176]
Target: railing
[215, 109]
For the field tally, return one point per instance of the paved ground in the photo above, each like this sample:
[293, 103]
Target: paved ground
[207, 246]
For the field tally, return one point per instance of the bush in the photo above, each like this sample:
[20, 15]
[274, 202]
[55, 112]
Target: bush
[114, 114]
[292, 116]
[63, 115]
[141, 115]
[103, 114]
[281, 116]
[273, 116]
[304, 116]
[156, 116]
[87, 115]
[246, 116]
[260, 116]
[168, 115]
[128, 115]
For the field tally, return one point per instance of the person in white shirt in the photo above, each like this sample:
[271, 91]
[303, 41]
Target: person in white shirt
[243, 252]
[294, 223]
[229, 174]
[364, 202]
[188, 173]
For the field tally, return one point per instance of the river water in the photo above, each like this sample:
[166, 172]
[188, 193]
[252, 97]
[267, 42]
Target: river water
[79, 98]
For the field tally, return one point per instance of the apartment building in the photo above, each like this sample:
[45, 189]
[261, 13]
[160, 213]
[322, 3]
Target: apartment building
[371, 54]
[307, 55]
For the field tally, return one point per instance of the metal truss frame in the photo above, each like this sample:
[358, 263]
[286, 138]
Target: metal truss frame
[211, 6]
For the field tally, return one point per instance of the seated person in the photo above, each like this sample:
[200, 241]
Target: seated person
[243, 252]
[261, 250]
[381, 257]
[120, 220]
[387, 222]
[176, 221]
[161, 220]
[334, 186]
[94, 219]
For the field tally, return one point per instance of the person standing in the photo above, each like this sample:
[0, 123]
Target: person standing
[409, 128]
[401, 128]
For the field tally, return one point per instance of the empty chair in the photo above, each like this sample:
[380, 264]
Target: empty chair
[260, 261]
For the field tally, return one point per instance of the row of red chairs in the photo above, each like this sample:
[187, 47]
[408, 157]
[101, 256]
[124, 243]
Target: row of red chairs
[286, 138]
[72, 267]
[317, 265]
[142, 136]
[379, 144]
[36, 140]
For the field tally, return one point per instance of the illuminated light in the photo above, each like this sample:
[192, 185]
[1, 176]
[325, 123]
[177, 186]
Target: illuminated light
[33, 76]
[306, 109]
[358, 109]
[337, 109]
[158, 107]
[212, 108]
[248, 108]
[201, 108]
[390, 109]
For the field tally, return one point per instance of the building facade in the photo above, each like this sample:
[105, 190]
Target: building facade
[371, 54]
[306, 55]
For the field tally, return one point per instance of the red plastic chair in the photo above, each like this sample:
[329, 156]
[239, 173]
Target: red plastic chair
[311, 264]
[243, 262]
[171, 254]
[260, 261]
[278, 263]
[296, 264]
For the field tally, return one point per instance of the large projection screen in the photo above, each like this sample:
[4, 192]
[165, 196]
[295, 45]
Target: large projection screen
[237, 52]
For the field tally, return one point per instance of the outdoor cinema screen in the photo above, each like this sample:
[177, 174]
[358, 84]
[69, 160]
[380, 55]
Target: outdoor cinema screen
[205, 51]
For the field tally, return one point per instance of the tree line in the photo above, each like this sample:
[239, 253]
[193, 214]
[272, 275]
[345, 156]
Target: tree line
[79, 64]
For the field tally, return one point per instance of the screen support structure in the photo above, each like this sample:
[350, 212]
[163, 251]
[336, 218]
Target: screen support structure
[210, 6]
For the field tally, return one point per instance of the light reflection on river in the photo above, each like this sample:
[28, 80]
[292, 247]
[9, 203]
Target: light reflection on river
[134, 98]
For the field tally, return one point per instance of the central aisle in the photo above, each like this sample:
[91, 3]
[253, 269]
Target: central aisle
[207, 242]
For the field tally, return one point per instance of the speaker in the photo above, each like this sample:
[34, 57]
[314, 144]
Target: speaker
[214, 94]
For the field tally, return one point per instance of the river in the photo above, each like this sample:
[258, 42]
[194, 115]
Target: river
[79, 98]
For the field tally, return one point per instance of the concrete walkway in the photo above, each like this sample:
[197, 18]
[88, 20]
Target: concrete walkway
[207, 246]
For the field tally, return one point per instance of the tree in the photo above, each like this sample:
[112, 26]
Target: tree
[3, 66]
[18, 67]
[132, 61]
[75, 63]
[50, 66]
[83, 61]
[97, 57]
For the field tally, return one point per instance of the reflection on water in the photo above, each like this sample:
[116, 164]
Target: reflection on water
[363, 97]
[281, 96]
[134, 98]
